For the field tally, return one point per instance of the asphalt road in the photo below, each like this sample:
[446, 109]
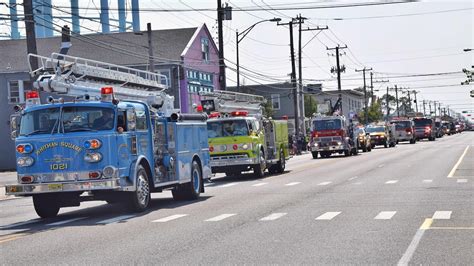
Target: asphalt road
[389, 206]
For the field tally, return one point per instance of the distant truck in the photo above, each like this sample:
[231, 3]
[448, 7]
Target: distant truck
[382, 135]
[425, 128]
[118, 139]
[240, 138]
[404, 129]
[332, 134]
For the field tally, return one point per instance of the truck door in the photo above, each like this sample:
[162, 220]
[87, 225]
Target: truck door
[126, 140]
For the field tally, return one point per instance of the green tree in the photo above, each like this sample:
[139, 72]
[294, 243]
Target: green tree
[268, 109]
[310, 105]
[374, 113]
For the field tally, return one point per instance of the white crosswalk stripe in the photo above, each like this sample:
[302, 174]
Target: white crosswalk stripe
[115, 219]
[462, 180]
[66, 221]
[220, 217]
[391, 182]
[259, 184]
[273, 216]
[328, 216]
[292, 183]
[442, 215]
[385, 215]
[427, 180]
[169, 218]
[324, 183]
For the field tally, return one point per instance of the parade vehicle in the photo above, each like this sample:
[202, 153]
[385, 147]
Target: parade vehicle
[332, 134]
[240, 137]
[404, 129]
[382, 135]
[118, 138]
[425, 128]
[363, 139]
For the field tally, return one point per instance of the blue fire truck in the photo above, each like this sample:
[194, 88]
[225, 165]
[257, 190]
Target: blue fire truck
[107, 132]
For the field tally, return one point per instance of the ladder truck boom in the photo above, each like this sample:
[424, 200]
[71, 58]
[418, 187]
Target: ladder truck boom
[228, 101]
[75, 76]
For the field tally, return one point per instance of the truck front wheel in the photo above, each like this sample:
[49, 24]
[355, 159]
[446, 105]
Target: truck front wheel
[259, 169]
[46, 205]
[140, 198]
[315, 154]
[282, 163]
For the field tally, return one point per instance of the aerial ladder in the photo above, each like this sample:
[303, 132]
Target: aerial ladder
[78, 77]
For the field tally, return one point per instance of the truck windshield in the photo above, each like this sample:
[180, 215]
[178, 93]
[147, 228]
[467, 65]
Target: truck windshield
[327, 124]
[375, 129]
[84, 118]
[423, 122]
[401, 125]
[218, 129]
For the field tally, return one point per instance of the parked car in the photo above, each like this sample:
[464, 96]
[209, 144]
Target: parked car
[364, 139]
[381, 135]
[424, 128]
[404, 130]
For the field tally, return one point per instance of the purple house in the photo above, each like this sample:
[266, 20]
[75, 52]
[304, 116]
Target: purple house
[200, 61]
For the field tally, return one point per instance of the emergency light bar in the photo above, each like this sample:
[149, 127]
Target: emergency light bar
[107, 94]
[32, 98]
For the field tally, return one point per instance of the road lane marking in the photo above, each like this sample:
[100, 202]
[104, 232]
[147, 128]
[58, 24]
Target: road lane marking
[358, 183]
[220, 217]
[273, 216]
[442, 215]
[66, 221]
[451, 228]
[385, 215]
[414, 242]
[391, 182]
[115, 219]
[12, 237]
[324, 183]
[427, 180]
[259, 184]
[229, 184]
[380, 166]
[352, 178]
[169, 218]
[462, 180]
[292, 183]
[451, 174]
[328, 216]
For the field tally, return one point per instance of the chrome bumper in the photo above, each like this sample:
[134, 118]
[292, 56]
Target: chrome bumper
[328, 148]
[29, 189]
[229, 160]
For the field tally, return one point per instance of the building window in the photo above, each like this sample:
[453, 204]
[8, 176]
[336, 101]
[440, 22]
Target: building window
[275, 101]
[205, 49]
[16, 90]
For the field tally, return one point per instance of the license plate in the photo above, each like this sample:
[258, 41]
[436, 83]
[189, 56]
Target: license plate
[55, 187]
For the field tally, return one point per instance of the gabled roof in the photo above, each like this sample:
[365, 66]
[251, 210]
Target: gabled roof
[127, 48]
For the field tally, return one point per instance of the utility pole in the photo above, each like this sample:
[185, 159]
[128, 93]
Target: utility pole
[424, 107]
[293, 76]
[396, 97]
[387, 103]
[429, 104]
[300, 64]
[151, 63]
[372, 98]
[30, 34]
[409, 101]
[221, 45]
[366, 108]
[416, 102]
[434, 102]
[338, 70]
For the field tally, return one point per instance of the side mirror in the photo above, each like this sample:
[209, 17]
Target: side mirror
[14, 134]
[367, 134]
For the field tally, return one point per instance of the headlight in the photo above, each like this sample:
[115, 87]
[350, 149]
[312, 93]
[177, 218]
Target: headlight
[25, 161]
[24, 148]
[109, 171]
[223, 147]
[92, 144]
[339, 143]
[315, 144]
[245, 146]
[93, 157]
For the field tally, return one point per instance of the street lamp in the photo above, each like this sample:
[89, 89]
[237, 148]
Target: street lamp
[240, 36]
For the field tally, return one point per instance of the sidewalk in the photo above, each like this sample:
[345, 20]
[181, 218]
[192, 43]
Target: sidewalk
[6, 178]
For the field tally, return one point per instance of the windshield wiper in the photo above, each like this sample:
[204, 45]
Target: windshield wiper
[81, 129]
[36, 132]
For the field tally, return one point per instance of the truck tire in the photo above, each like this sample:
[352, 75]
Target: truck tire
[191, 190]
[139, 199]
[364, 148]
[347, 153]
[280, 167]
[46, 205]
[412, 141]
[315, 154]
[369, 148]
[385, 144]
[259, 169]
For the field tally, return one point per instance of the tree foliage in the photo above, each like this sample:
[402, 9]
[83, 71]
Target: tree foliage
[310, 105]
[374, 113]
